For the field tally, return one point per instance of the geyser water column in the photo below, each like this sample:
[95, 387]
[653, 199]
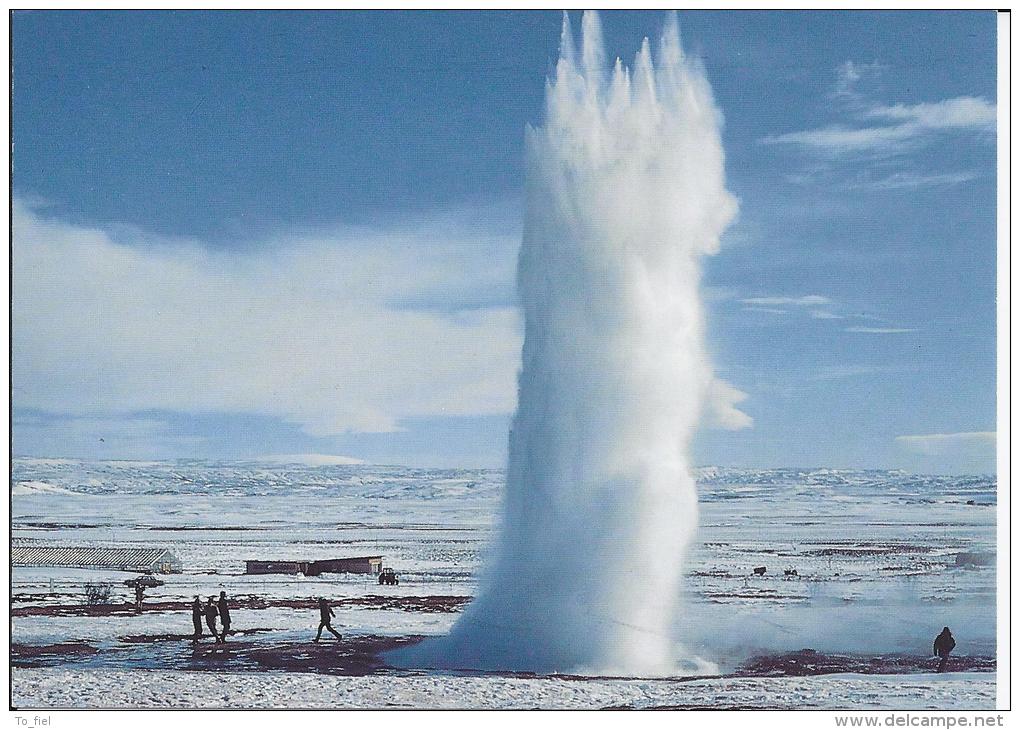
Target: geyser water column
[625, 193]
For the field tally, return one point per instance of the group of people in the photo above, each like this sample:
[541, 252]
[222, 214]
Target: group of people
[211, 611]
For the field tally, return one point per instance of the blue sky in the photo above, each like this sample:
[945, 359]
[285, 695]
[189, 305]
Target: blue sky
[249, 234]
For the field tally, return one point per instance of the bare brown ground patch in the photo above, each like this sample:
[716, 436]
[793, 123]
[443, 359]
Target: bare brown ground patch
[414, 604]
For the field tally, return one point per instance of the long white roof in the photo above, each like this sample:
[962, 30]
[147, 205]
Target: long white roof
[100, 557]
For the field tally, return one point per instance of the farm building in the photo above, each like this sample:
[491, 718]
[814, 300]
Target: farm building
[135, 560]
[371, 564]
[260, 567]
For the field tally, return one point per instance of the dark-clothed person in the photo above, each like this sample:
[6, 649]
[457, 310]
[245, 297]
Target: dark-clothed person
[210, 617]
[944, 643]
[224, 610]
[325, 614]
[196, 618]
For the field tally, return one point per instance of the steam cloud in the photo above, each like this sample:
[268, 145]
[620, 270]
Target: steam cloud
[625, 194]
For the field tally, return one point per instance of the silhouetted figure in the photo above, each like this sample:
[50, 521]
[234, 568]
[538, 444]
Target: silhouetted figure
[325, 614]
[210, 617]
[139, 595]
[224, 614]
[944, 643]
[196, 618]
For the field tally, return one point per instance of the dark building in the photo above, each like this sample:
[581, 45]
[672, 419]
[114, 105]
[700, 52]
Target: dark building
[256, 567]
[371, 565]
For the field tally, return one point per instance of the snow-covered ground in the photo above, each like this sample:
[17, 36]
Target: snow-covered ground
[875, 552]
[114, 689]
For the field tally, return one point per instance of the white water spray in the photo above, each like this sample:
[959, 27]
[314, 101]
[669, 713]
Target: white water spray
[625, 193]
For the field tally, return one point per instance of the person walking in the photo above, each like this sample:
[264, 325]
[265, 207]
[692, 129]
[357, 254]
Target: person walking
[325, 614]
[944, 643]
[196, 618]
[224, 611]
[210, 617]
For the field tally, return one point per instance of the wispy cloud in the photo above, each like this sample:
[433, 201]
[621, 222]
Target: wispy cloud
[817, 307]
[900, 126]
[880, 330]
[765, 310]
[962, 112]
[804, 301]
[912, 179]
[941, 444]
[780, 305]
[838, 138]
[875, 128]
[848, 75]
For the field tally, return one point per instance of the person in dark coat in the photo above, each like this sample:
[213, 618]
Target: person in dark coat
[210, 617]
[325, 614]
[196, 618]
[944, 643]
[224, 610]
[139, 595]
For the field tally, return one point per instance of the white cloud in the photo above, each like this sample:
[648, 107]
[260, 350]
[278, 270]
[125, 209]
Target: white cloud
[765, 310]
[903, 125]
[848, 74]
[721, 407]
[776, 304]
[811, 304]
[842, 139]
[911, 179]
[880, 330]
[805, 301]
[960, 113]
[948, 444]
[312, 329]
[838, 372]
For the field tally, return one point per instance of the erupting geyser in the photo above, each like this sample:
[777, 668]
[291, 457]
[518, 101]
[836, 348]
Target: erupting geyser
[625, 193]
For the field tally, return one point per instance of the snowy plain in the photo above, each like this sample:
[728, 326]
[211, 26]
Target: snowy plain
[876, 555]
